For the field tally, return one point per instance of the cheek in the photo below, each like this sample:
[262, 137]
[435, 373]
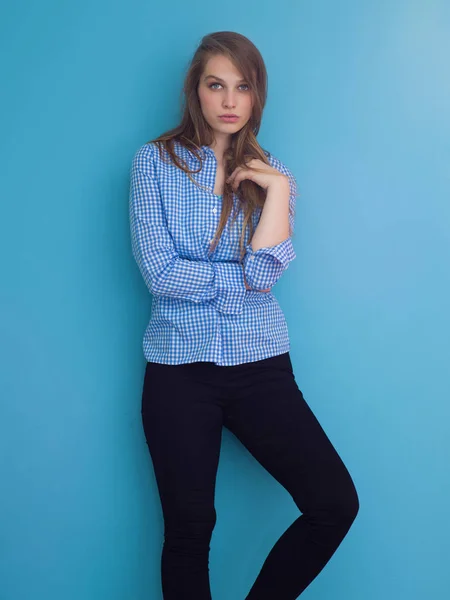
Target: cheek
[207, 101]
[248, 106]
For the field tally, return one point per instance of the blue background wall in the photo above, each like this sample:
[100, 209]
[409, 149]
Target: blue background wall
[358, 108]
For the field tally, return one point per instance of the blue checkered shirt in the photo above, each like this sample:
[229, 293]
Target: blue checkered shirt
[201, 309]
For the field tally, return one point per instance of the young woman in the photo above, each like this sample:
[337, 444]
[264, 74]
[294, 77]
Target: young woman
[212, 218]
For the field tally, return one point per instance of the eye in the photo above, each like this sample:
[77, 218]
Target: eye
[243, 85]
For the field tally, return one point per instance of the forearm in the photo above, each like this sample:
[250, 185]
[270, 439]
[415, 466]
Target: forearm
[273, 226]
[164, 271]
[167, 274]
[270, 250]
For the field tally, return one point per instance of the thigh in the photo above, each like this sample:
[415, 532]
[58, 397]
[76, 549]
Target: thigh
[277, 426]
[183, 429]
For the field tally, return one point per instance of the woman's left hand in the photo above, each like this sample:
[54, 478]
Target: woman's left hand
[266, 176]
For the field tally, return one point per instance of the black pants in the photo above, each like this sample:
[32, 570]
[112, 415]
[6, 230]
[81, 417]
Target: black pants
[184, 408]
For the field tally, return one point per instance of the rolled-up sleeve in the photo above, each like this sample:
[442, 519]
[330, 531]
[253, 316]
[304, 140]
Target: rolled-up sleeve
[163, 270]
[264, 267]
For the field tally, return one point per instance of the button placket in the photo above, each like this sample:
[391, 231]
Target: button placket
[213, 195]
[214, 211]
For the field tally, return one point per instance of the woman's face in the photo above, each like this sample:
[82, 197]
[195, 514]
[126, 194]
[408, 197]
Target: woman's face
[223, 91]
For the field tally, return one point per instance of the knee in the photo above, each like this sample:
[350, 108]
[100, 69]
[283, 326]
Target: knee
[349, 508]
[335, 506]
[190, 526]
[344, 507]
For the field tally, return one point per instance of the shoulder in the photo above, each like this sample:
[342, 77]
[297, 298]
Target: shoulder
[145, 154]
[149, 159]
[276, 163]
[157, 156]
[144, 159]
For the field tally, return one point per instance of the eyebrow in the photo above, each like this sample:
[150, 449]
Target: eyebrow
[219, 79]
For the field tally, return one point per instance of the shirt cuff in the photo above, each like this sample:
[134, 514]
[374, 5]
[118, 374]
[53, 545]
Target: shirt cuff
[230, 287]
[263, 267]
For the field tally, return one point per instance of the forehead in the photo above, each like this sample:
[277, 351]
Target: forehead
[222, 67]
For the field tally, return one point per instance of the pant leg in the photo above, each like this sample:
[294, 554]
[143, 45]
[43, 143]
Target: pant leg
[276, 425]
[183, 429]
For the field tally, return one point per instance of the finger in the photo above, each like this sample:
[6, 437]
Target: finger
[237, 181]
[233, 175]
[232, 180]
[243, 174]
[230, 177]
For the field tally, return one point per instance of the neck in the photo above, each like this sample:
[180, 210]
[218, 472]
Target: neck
[220, 144]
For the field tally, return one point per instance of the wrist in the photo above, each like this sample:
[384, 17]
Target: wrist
[280, 183]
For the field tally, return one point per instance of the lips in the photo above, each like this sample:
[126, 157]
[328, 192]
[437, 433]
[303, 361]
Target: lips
[229, 118]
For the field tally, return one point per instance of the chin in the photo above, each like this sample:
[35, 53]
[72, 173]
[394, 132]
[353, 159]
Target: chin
[228, 128]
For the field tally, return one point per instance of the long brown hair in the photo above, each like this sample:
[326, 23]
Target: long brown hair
[194, 131]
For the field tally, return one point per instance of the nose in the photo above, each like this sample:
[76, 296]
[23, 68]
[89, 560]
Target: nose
[229, 100]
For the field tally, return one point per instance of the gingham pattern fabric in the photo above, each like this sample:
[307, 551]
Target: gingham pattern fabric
[201, 309]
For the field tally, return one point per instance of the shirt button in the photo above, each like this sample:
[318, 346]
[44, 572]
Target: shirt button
[214, 210]
[252, 258]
